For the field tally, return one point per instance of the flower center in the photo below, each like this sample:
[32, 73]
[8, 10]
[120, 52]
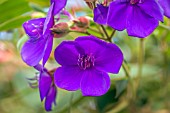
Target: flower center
[134, 1]
[85, 61]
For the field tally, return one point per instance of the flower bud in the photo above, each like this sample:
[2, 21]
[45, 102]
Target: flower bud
[60, 29]
[82, 22]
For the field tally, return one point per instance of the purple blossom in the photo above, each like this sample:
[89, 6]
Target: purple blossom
[39, 45]
[138, 17]
[85, 63]
[100, 14]
[166, 6]
[47, 88]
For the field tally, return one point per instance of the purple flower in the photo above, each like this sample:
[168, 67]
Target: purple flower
[39, 45]
[58, 5]
[138, 17]
[100, 14]
[85, 63]
[166, 6]
[47, 88]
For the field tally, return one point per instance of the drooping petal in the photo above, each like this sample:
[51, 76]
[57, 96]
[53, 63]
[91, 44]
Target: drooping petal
[58, 5]
[68, 77]
[51, 98]
[45, 82]
[100, 14]
[32, 52]
[108, 57]
[152, 8]
[95, 83]
[140, 24]
[118, 14]
[48, 49]
[166, 6]
[49, 21]
[67, 53]
[34, 27]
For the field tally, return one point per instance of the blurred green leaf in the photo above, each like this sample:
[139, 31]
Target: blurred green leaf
[120, 87]
[2, 1]
[107, 101]
[14, 23]
[11, 9]
[40, 2]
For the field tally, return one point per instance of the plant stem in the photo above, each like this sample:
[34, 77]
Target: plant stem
[113, 32]
[83, 32]
[105, 32]
[98, 27]
[126, 70]
[165, 27]
[94, 30]
[71, 98]
[87, 33]
[131, 90]
[140, 60]
[140, 63]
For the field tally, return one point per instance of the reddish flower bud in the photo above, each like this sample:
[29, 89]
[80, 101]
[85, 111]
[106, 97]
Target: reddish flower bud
[82, 22]
[60, 29]
[90, 5]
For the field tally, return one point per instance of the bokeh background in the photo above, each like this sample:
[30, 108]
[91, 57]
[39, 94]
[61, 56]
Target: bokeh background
[16, 96]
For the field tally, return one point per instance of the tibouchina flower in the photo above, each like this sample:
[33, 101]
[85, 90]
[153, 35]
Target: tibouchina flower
[166, 6]
[47, 88]
[85, 64]
[100, 14]
[138, 17]
[39, 45]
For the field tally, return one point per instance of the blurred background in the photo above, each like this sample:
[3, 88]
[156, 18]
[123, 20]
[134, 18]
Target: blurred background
[152, 95]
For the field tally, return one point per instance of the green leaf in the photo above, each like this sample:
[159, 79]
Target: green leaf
[14, 23]
[2, 1]
[11, 9]
[40, 2]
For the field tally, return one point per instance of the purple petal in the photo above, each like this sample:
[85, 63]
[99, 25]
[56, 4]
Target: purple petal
[108, 57]
[51, 98]
[140, 24]
[95, 83]
[90, 44]
[155, 11]
[45, 82]
[49, 21]
[38, 67]
[122, 1]
[48, 49]
[100, 14]
[67, 53]
[118, 14]
[68, 77]
[34, 28]
[166, 6]
[58, 5]
[32, 52]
